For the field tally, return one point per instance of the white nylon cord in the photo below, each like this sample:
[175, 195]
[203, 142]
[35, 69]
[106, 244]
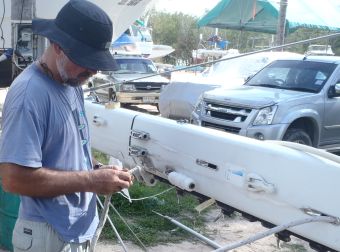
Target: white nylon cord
[152, 196]
[101, 224]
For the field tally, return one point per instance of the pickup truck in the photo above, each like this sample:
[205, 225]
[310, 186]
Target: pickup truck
[134, 82]
[296, 99]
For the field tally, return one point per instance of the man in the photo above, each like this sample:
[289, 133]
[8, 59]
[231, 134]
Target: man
[44, 148]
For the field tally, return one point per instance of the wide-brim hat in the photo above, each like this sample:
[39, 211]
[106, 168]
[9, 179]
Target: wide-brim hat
[83, 31]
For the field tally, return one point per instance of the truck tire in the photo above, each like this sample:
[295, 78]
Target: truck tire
[298, 136]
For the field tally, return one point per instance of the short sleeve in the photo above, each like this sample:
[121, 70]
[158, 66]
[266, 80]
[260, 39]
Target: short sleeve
[21, 138]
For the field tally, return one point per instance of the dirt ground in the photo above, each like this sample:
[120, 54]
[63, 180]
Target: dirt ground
[223, 231]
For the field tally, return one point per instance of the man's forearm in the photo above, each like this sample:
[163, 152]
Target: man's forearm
[43, 182]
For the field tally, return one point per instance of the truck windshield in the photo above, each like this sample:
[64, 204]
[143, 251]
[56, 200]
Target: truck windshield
[135, 65]
[305, 76]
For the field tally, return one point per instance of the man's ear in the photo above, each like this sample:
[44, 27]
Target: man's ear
[56, 48]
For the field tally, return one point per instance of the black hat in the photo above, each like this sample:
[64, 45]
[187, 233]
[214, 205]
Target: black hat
[83, 31]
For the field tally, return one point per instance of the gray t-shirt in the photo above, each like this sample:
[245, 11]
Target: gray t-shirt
[44, 125]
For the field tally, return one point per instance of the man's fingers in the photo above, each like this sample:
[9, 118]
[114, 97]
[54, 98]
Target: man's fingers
[110, 180]
[125, 175]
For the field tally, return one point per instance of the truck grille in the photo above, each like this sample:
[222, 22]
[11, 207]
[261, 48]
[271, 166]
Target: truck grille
[147, 86]
[225, 112]
[229, 129]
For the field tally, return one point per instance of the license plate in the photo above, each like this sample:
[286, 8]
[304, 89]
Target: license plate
[148, 100]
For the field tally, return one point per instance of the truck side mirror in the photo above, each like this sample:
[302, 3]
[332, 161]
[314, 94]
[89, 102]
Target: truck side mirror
[334, 91]
[248, 77]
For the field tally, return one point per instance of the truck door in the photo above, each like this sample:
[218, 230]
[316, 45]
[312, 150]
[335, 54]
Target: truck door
[330, 131]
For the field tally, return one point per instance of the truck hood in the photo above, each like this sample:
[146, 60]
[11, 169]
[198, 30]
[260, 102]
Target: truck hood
[128, 77]
[253, 97]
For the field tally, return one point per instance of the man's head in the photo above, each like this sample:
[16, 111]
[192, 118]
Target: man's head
[68, 72]
[83, 33]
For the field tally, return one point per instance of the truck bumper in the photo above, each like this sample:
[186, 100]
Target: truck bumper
[262, 132]
[138, 98]
[265, 132]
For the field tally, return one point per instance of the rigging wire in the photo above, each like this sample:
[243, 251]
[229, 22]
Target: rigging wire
[20, 22]
[128, 226]
[103, 217]
[1, 22]
[218, 60]
[16, 52]
[112, 226]
[258, 236]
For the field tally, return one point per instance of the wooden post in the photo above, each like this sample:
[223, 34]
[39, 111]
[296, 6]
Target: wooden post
[281, 25]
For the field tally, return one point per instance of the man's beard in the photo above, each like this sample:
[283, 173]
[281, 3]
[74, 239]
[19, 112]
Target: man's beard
[73, 82]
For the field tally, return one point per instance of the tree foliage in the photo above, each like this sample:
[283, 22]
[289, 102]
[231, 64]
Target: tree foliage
[177, 30]
[181, 32]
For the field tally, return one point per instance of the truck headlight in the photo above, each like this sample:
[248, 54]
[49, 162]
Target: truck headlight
[199, 106]
[163, 87]
[127, 87]
[265, 116]
[195, 115]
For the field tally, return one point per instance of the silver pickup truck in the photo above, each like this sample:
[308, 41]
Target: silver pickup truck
[134, 82]
[295, 99]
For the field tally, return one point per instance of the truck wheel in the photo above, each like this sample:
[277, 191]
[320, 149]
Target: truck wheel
[297, 136]
[124, 105]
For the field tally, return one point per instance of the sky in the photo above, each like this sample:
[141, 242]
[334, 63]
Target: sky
[190, 7]
[198, 7]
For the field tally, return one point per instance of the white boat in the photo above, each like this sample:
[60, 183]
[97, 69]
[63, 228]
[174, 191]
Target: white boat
[141, 42]
[273, 183]
[319, 50]
[122, 13]
[203, 54]
[159, 51]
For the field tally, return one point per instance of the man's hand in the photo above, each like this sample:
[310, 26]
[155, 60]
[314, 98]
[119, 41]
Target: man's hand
[109, 179]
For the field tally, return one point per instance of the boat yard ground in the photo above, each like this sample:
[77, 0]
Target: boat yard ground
[222, 230]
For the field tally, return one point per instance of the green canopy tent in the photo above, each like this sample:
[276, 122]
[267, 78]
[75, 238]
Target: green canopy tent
[263, 15]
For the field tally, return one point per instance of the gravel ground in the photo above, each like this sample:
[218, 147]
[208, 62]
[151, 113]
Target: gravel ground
[222, 231]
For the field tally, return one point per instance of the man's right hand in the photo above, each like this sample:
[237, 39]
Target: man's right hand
[107, 181]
